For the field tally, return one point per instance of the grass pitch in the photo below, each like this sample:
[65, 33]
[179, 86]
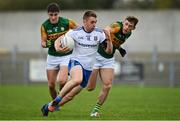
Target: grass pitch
[19, 102]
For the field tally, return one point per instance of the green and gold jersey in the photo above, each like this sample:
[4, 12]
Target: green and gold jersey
[117, 38]
[53, 31]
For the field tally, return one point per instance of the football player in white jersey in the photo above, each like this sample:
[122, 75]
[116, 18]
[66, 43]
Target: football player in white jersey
[87, 39]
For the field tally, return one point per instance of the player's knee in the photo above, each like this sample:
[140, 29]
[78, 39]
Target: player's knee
[51, 85]
[62, 81]
[77, 81]
[107, 86]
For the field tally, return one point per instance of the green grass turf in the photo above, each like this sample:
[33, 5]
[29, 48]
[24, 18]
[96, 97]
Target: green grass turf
[124, 103]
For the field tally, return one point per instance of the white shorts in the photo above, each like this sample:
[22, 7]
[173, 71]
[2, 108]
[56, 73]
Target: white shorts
[54, 62]
[102, 62]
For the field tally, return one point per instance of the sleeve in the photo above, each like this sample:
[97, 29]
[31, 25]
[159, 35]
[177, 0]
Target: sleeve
[72, 24]
[122, 51]
[71, 34]
[128, 36]
[43, 33]
[102, 37]
[115, 27]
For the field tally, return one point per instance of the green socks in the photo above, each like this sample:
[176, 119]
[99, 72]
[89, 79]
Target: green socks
[96, 108]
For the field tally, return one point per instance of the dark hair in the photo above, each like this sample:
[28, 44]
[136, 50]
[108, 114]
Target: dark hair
[89, 13]
[132, 19]
[53, 7]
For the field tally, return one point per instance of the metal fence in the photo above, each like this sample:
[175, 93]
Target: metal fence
[143, 73]
[14, 72]
[164, 73]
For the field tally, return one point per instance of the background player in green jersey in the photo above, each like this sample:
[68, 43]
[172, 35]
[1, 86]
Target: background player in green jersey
[118, 32]
[57, 62]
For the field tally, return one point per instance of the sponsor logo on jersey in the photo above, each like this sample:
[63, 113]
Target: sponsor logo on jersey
[87, 45]
[49, 31]
[80, 38]
[62, 28]
[55, 36]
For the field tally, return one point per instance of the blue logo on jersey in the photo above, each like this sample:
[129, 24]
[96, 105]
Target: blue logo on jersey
[95, 38]
[88, 37]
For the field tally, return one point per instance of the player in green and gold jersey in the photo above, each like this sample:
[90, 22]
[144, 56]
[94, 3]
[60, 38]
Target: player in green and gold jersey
[57, 62]
[118, 33]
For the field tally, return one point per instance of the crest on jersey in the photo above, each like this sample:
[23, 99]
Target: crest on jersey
[95, 38]
[49, 31]
[88, 37]
[62, 28]
[55, 29]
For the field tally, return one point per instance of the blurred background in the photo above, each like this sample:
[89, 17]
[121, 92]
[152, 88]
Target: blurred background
[153, 53]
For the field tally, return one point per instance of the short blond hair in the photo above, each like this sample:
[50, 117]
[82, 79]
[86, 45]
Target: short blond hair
[89, 13]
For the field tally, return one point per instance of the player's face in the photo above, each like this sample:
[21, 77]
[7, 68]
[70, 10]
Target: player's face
[90, 23]
[127, 26]
[53, 17]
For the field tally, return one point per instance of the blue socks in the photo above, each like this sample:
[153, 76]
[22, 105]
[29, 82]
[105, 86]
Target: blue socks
[56, 101]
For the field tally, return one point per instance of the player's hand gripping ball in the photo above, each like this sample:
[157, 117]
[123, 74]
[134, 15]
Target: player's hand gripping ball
[67, 41]
[64, 44]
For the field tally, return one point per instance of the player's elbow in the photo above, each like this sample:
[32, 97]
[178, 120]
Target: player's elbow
[108, 50]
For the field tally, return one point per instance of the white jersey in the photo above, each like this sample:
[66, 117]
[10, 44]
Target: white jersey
[86, 45]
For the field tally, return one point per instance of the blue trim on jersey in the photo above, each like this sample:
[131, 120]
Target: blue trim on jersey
[98, 30]
[82, 28]
[78, 29]
[86, 73]
[85, 30]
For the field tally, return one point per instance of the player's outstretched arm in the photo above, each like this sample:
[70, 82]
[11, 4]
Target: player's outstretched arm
[107, 31]
[109, 48]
